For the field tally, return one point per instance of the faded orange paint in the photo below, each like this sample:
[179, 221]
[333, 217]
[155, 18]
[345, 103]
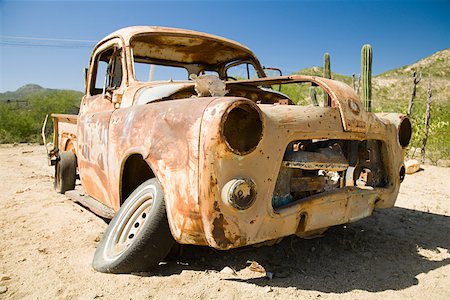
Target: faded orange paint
[180, 136]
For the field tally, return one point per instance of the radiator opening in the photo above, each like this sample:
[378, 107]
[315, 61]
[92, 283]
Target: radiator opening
[311, 167]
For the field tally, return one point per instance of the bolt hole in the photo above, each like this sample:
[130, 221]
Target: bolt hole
[136, 225]
[131, 236]
[144, 215]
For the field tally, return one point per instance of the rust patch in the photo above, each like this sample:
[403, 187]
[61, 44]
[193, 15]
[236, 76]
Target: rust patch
[218, 232]
[216, 206]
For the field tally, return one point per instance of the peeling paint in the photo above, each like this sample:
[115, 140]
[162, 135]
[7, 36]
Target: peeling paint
[180, 136]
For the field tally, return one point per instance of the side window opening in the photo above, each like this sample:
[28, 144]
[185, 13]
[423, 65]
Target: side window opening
[241, 71]
[108, 73]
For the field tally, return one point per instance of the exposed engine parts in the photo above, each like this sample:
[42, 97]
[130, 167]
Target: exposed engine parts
[312, 167]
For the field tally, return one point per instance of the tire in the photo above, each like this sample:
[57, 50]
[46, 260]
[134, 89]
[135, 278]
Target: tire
[138, 237]
[65, 172]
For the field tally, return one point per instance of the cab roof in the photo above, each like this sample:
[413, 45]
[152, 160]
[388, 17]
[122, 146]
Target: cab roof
[181, 45]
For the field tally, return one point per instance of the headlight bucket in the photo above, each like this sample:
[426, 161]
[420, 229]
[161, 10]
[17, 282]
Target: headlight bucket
[404, 132]
[242, 127]
[403, 125]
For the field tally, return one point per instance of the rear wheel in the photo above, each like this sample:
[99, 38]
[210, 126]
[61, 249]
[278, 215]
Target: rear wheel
[138, 237]
[65, 172]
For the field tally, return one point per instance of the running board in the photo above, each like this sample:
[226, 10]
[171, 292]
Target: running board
[98, 208]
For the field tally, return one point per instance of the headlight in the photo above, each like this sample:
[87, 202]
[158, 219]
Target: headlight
[240, 193]
[403, 125]
[242, 127]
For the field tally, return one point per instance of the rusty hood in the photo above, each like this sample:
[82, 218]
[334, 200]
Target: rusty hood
[354, 117]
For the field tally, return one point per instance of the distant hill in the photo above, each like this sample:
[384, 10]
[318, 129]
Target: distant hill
[23, 111]
[31, 90]
[21, 92]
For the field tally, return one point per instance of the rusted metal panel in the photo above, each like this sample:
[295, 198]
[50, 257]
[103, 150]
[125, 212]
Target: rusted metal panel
[64, 133]
[168, 139]
[227, 228]
[154, 36]
[354, 117]
[78, 195]
[307, 183]
[328, 159]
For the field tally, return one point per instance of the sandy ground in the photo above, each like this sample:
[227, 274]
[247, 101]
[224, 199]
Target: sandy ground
[47, 243]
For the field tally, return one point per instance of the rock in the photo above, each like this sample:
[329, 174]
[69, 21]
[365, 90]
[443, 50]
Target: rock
[268, 289]
[3, 289]
[4, 277]
[228, 271]
[255, 266]
[412, 166]
[43, 250]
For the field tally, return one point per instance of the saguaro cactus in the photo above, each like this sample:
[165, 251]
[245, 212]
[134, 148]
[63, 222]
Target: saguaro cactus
[326, 74]
[366, 76]
[313, 96]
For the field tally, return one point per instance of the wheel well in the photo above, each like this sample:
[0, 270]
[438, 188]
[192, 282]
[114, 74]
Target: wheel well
[135, 172]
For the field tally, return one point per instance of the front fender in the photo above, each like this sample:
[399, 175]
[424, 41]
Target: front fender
[166, 134]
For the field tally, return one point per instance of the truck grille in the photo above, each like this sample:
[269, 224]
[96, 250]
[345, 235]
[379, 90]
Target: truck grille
[311, 167]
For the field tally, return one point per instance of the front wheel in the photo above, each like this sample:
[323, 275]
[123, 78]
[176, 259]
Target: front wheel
[138, 237]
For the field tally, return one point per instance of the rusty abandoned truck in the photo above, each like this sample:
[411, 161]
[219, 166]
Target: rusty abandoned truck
[210, 158]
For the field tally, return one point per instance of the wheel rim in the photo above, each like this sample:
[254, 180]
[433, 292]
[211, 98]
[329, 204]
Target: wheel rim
[131, 222]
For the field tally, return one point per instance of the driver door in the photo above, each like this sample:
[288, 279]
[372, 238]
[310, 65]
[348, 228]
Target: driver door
[105, 78]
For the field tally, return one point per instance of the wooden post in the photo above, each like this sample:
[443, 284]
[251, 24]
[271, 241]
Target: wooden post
[427, 120]
[416, 80]
[354, 82]
[359, 84]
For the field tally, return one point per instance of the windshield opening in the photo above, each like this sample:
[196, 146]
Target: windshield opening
[146, 71]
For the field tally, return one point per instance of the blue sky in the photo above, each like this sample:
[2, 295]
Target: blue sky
[291, 35]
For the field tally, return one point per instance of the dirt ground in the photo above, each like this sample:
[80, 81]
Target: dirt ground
[47, 243]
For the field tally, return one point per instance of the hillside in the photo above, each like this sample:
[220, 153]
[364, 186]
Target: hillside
[22, 112]
[397, 84]
[437, 64]
[394, 87]
[391, 93]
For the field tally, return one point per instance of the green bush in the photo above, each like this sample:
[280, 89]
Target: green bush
[21, 121]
